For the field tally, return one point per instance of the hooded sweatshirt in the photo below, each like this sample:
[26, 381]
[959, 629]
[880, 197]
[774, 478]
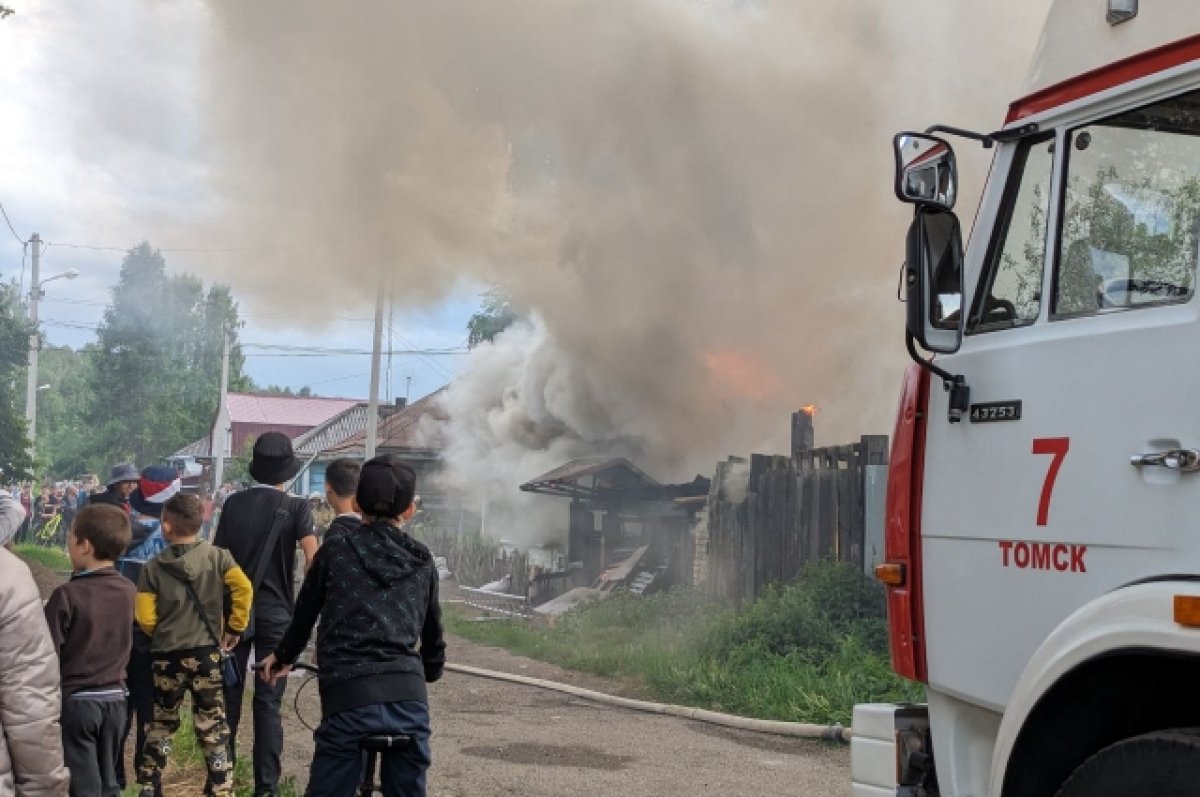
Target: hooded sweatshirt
[380, 640]
[168, 613]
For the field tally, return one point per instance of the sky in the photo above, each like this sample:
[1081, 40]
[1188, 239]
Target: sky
[61, 178]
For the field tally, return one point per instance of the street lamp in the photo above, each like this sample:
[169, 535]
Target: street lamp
[36, 293]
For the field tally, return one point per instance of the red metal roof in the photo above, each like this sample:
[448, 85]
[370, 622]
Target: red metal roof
[280, 411]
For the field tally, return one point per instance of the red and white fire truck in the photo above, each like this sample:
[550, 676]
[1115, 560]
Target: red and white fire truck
[1043, 510]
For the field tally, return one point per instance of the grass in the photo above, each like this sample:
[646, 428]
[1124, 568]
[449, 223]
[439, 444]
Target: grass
[186, 768]
[805, 652]
[52, 558]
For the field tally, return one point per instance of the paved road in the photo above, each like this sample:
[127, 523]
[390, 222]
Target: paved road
[494, 738]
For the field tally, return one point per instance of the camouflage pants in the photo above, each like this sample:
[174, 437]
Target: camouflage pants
[175, 675]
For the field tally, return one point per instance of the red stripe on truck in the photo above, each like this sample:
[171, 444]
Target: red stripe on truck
[902, 533]
[1106, 77]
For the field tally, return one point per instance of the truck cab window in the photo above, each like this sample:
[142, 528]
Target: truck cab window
[1131, 208]
[1011, 291]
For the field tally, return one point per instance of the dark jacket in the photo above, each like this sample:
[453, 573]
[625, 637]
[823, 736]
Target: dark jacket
[91, 623]
[110, 497]
[342, 524]
[380, 640]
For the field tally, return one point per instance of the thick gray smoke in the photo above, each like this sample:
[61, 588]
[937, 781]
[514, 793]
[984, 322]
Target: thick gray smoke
[692, 200]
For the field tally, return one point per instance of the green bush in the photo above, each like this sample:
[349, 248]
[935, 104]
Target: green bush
[806, 651]
[808, 616]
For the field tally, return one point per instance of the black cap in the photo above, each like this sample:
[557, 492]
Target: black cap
[386, 486]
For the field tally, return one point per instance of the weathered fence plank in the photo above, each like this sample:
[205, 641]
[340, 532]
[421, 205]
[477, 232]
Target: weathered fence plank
[770, 516]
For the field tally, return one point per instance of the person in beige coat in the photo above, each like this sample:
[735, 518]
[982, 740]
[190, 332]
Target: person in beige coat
[31, 753]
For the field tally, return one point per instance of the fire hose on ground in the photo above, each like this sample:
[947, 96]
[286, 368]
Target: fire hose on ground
[802, 730]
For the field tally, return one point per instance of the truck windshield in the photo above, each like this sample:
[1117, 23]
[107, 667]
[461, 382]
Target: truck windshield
[1131, 210]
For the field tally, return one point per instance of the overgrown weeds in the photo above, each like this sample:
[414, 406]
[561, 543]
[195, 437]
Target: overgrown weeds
[806, 651]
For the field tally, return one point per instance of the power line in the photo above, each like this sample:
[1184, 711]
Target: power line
[11, 229]
[99, 248]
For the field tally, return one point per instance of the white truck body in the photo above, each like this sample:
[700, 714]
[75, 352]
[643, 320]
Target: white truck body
[1046, 566]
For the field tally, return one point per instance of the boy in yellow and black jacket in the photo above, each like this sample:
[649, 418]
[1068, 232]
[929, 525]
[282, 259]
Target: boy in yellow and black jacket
[185, 579]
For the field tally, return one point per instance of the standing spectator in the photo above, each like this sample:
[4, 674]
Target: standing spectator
[122, 481]
[155, 486]
[70, 507]
[322, 513]
[90, 620]
[341, 482]
[179, 605]
[31, 753]
[379, 642]
[262, 527]
[39, 511]
[27, 508]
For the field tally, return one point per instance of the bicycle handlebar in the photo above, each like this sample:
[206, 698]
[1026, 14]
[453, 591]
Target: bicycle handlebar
[296, 665]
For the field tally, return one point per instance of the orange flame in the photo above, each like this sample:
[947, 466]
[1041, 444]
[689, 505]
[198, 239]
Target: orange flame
[743, 375]
[810, 409]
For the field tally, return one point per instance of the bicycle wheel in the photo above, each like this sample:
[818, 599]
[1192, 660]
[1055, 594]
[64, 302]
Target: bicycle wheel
[48, 533]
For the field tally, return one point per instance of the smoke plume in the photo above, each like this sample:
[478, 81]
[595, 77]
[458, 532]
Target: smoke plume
[690, 200]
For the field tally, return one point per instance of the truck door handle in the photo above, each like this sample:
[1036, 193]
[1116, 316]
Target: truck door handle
[1186, 460]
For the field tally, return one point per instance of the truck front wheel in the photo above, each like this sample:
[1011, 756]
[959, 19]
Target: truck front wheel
[1163, 764]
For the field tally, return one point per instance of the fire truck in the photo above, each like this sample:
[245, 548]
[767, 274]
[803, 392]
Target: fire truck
[1042, 537]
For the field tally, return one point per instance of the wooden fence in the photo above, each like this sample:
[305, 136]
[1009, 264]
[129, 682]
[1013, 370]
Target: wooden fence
[769, 516]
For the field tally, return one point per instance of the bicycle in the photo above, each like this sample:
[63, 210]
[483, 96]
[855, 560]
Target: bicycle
[372, 747]
[47, 533]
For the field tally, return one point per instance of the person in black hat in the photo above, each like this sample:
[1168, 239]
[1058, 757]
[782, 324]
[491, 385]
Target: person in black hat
[262, 526]
[373, 674]
[122, 481]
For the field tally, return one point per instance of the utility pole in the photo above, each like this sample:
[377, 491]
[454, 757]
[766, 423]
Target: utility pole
[31, 385]
[373, 399]
[218, 433]
[391, 313]
[407, 390]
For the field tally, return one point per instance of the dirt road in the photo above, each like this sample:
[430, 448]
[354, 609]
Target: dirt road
[493, 738]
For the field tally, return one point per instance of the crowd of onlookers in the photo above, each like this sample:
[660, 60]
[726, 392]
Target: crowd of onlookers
[43, 504]
[168, 601]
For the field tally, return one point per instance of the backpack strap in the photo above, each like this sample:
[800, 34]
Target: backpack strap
[199, 606]
[279, 517]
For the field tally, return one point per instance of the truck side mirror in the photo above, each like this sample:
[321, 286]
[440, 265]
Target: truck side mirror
[933, 280]
[926, 173]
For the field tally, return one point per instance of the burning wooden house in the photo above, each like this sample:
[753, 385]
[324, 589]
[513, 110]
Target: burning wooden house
[624, 527]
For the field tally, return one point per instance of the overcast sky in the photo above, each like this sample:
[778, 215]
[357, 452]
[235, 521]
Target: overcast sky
[66, 175]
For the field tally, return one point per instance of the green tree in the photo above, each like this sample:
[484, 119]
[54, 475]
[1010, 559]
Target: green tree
[63, 432]
[155, 374]
[239, 464]
[15, 462]
[276, 390]
[496, 314]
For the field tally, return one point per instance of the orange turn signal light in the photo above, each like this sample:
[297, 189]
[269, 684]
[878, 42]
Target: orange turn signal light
[1187, 610]
[890, 573]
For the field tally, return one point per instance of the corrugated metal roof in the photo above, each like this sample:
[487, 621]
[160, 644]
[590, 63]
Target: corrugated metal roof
[197, 448]
[307, 411]
[417, 426]
[334, 431]
[572, 479]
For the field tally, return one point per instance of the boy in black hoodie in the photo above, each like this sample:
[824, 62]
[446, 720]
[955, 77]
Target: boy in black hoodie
[380, 640]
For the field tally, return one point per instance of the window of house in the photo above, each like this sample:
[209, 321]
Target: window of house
[1015, 261]
[1131, 210]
